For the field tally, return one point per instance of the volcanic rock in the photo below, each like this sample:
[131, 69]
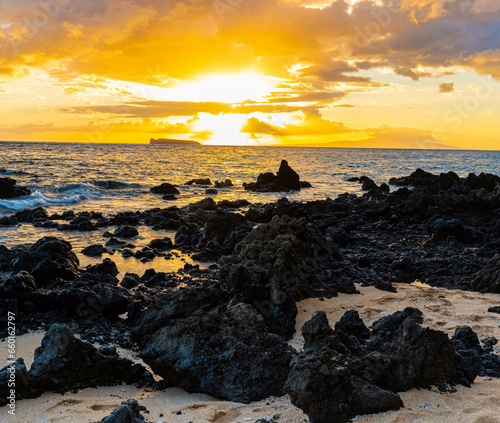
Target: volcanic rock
[280, 263]
[339, 375]
[196, 343]
[96, 250]
[488, 279]
[17, 285]
[128, 412]
[165, 189]
[223, 184]
[64, 363]
[49, 258]
[285, 180]
[163, 244]
[225, 229]
[126, 232]
[8, 189]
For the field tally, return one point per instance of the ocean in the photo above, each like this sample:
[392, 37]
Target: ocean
[109, 178]
[117, 177]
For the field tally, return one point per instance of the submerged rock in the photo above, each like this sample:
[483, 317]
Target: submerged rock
[126, 232]
[488, 279]
[199, 181]
[339, 375]
[8, 189]
[280, 263]
[223, 184]
[285, 180]
[96, 250]
[197, 343]
[165, 188]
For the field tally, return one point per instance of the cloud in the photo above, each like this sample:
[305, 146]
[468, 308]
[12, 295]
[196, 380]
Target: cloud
[445, 87]
[162, 109]
[122, 39]
[311, 124]
[319, 56]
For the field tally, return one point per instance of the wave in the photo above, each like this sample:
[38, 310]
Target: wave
[77, 188]
[110, 184]
[37, 200]
[12, 172]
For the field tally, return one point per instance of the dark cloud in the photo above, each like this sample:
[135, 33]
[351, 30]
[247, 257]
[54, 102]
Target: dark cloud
[445, 87]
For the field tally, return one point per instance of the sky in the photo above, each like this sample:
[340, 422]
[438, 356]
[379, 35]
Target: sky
[376, 73]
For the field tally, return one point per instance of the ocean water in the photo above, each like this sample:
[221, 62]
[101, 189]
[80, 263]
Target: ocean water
[117, 177]
[109, 178]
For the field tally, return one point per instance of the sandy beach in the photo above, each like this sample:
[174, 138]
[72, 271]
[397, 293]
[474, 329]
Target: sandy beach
[443, 309]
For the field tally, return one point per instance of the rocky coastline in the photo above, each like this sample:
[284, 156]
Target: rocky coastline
[224, 329]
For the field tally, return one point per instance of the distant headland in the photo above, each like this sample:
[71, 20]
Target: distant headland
[165, 141]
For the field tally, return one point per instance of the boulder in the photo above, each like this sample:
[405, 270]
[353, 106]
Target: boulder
[327, 383]
[49, 258]
[225, 229]
[236, 204]
[197, 343]
[128, 412]
[8, 189]
[126, 232]
[163, 244]
[417, 178]
[64, 363]
[488, 278]
[18, 373]
[205, 204]
[96, 250]
[31, 215]
[369, 184]
[280, 263]
[287, 177]
[285, 180]
[223, 184]
[340, 375]
[165, 189]
[17, 285]
[87, 297]
[130, 280]
[107, 267]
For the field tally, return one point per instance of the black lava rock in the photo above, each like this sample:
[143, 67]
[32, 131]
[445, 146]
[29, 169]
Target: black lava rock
[195, 342]
[165, 189]
[126, 232]
[8, 189]
[49, 258]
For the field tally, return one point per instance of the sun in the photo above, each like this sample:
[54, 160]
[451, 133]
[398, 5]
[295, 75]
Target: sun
[225, 128]
[219, 88]
[228, 88]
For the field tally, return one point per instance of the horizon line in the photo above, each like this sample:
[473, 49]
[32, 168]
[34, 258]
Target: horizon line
[452, 148]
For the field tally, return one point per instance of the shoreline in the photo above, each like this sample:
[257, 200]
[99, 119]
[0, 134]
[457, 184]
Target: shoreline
[477, 404]
[250, 277]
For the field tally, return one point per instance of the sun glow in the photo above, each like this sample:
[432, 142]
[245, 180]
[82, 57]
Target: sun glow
[225, 128]
[224, 88]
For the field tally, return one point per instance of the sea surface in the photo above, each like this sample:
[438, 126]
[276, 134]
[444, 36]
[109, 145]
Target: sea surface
[109, 178]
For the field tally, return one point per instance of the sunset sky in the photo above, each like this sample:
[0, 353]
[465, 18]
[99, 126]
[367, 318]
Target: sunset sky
[406, 73]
